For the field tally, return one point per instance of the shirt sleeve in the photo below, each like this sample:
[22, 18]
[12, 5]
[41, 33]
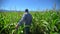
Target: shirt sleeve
[22, 20]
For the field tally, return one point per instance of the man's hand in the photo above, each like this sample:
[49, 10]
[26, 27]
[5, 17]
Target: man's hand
[16, 29]
[17, 26]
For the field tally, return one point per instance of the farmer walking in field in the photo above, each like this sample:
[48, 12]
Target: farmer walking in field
[27, 19]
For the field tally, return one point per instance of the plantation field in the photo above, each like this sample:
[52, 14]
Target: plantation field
[47, 22]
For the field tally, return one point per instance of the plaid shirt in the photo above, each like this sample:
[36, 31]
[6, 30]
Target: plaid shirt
[27, 19]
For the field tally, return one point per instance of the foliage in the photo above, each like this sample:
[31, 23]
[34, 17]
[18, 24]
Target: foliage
[47, 22]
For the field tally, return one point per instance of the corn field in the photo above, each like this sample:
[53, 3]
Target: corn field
[45, 22]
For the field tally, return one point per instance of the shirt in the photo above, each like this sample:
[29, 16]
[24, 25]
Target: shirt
[27, 19]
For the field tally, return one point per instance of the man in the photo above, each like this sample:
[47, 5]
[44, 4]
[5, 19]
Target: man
[27, 19]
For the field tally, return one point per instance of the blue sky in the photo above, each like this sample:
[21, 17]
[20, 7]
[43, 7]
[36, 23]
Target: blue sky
[30, 4]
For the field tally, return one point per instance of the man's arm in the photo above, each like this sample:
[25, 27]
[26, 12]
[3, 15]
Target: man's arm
[21, 21]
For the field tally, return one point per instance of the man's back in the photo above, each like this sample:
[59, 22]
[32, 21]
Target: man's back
[28, 19]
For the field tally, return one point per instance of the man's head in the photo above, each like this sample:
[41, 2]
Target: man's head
[26, 10]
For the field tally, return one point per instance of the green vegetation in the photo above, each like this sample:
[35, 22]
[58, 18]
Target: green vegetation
[47, 22]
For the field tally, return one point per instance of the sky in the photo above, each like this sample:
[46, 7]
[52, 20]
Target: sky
[29, 4]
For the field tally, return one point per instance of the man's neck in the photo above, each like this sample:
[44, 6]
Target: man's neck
[26, 12]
